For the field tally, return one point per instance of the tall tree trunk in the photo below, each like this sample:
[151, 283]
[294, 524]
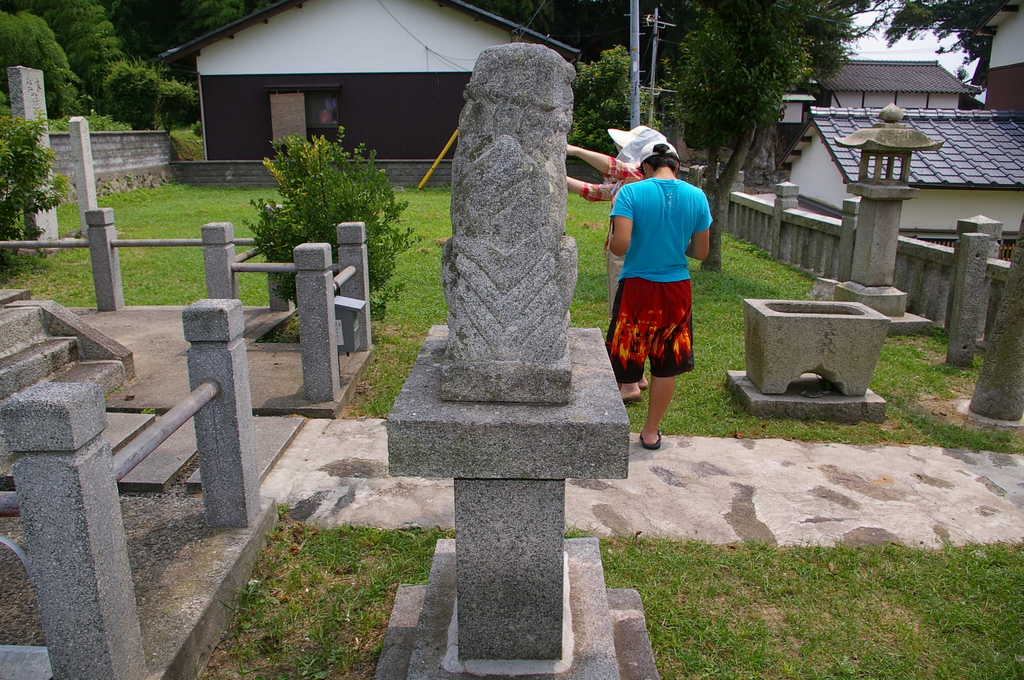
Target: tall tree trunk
[761, 159]
[718, 188]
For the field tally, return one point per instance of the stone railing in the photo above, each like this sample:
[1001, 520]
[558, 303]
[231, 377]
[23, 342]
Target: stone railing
[823, 246]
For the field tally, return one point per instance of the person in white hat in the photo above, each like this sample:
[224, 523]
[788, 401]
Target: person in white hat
[616, 172]
[657, 223]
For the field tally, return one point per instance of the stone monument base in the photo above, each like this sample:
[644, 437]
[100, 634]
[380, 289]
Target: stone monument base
[608, 639]
[803, 400]
[889, 301]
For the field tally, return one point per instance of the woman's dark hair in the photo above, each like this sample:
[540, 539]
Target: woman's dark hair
[663, 157]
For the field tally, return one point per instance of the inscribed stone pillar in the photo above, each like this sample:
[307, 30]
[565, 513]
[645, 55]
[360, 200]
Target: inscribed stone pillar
[508, 270]
[999, 392]
[28, 101]
[85, 174]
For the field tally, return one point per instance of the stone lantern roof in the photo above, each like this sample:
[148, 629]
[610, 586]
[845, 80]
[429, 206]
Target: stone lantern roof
[890, 135]
[886, 148]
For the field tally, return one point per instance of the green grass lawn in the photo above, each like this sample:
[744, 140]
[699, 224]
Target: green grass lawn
[318, 602]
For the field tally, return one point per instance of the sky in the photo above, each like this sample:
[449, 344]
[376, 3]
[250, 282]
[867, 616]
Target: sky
[922, 49]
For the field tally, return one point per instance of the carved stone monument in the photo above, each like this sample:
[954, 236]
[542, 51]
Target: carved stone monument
[28, 101]
[511, 402]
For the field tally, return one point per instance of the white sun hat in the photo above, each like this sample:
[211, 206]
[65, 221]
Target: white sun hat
[648, 150]
[632, 142]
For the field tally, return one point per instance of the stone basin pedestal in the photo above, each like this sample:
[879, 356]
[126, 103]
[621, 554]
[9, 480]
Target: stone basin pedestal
[794, 346]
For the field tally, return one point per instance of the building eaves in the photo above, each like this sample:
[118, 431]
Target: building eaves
[193, 47]
[983, 149]
[987, 26]
[897, 76]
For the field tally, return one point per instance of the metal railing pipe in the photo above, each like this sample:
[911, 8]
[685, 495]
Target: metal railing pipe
[343, 276]
[9, 504]
[155, 242]
[134, 453]
[247, 255]
[264, 267]
[45, 245]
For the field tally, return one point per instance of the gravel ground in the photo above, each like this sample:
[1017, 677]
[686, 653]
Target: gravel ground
[158, 528]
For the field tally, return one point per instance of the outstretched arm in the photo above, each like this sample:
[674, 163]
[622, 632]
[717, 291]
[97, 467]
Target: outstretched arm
[601, 162]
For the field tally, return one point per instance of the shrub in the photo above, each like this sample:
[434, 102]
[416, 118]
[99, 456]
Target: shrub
[322, 184]
[97, 123]
[132, 94]
[147, 98]
[26, 184]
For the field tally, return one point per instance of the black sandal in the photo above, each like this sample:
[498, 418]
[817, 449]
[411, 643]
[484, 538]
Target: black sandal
[653, 447]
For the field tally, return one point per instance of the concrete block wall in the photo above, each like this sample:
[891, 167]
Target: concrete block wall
[122, 160]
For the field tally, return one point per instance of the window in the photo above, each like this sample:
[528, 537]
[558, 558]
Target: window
[322, 109]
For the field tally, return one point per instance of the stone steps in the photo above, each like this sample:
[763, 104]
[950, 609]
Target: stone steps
[19, 328]
[36, 363]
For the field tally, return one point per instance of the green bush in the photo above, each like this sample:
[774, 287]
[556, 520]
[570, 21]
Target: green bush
[147, 98]
[26, 185]
[97, 123]
[321, 185]
[132, 93]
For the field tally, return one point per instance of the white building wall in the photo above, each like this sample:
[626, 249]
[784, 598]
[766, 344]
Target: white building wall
[937, 210]
[907, 100]
[1008, 45]
[354, 36]
[817, 175]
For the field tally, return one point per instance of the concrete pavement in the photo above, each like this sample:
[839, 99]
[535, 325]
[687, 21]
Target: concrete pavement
[715, 490]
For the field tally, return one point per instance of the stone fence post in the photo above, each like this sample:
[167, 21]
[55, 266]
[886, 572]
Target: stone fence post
[85, 175]
[106, 264]
[218, 256]
[71, 516]
[847, 237]
[965, 312]
[318, 333]
[224, 427]
[785, 199]
[979, 224]
[352, 251]
[999, 392]
[276, 303]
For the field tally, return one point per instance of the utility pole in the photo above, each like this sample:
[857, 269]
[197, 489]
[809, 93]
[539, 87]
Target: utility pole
[634, 63]
[653, 20]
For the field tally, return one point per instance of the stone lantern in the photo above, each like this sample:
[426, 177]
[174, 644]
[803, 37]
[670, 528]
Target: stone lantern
[886, 151]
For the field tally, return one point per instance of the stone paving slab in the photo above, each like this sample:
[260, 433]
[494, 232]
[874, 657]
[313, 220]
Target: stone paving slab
[157, 341]
[716, 490]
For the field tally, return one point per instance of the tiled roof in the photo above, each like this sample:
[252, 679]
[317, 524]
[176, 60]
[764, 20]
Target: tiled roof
[983, 149]
[897, 76]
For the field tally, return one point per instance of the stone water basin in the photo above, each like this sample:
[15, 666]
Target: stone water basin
[840, 341]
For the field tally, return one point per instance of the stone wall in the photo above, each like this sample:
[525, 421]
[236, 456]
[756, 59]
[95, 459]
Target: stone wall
[122, 160]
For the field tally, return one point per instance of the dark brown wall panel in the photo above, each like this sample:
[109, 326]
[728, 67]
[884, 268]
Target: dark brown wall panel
[400, 115]
[1005, 88]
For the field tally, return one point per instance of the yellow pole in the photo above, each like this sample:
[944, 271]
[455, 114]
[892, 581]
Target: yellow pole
[438, 161]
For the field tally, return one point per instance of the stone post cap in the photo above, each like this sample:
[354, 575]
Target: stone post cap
[213, 320]
[351, 233]
[100, 217]
[787, 190]
[53, 417]
[312, 256]
[986, 224]
[851, 206]
[218, 233]
[22, 69]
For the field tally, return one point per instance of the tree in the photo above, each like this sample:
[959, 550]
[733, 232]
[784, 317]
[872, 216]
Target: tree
[147, 98]
[945, 18]
[26, 40]
[601, 100]
[26, 183]
[321, 185]
[87, 37]
[733, 72]
[204, 16]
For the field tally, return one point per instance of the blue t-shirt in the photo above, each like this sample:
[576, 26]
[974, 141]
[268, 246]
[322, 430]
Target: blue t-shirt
[665, 214]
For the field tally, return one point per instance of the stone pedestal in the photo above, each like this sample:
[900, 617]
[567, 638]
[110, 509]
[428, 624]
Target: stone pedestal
[528, 601]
